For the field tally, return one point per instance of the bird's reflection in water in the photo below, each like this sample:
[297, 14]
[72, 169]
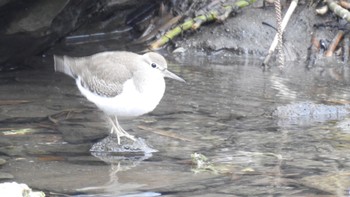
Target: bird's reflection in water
[118, 163]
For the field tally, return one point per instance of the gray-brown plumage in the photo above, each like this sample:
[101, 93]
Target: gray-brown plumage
[103, 74]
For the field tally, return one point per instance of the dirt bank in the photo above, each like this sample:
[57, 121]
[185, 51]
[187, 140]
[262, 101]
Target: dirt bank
[23, 36]
[245, 33]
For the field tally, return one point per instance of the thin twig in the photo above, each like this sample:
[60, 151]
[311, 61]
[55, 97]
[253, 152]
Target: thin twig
[313, 51]
[14, 102]
[346, 48]
[165, 133]
[334, 43]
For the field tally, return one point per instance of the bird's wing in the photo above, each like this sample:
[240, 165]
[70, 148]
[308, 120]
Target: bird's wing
[103, 75]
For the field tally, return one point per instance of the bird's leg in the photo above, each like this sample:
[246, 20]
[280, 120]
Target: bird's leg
[112, 133]
[118, 130]
[124, 133]
[114, 130]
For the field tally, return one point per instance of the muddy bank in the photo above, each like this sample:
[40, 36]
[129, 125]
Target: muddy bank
[246, 34]
[114, 27]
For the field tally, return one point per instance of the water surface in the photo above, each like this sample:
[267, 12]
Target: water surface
[224, 112]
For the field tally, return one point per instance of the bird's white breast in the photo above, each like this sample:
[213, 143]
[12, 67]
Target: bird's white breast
[131, 102]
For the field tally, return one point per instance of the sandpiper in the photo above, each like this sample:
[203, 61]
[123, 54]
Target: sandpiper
[120, 83]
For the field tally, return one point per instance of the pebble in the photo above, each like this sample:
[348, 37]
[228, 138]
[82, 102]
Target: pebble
[2, 161]
[4, 175]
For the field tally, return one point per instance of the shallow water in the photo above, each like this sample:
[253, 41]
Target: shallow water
[224, 112]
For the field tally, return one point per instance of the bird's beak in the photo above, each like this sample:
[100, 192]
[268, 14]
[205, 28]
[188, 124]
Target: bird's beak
[173, 76]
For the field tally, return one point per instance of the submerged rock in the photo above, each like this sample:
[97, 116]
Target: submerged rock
[2, 161]
[334, 183]
[4, 175]
[309, 109]
[308, 112]
[82, 132]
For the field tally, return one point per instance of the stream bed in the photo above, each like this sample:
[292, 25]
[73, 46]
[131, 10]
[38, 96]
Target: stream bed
[223, 133]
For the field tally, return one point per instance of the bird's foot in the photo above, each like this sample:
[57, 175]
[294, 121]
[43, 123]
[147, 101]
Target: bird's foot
[121, 133]
[131, 137]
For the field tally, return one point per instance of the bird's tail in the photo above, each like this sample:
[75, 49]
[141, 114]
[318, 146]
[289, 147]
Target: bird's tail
[61, 65]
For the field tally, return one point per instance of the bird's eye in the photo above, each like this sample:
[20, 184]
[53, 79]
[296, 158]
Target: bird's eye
[153, 65]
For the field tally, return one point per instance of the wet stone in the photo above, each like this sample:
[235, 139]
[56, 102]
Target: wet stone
[309, 109]
[4, 175]
[126, 146]
[82, 132]
[334, 183]
[309, 112]
[2, 161]
[5, 142]
[12, 150]
[58, 149]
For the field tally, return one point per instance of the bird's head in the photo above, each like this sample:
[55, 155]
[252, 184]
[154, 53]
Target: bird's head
[157, 61]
